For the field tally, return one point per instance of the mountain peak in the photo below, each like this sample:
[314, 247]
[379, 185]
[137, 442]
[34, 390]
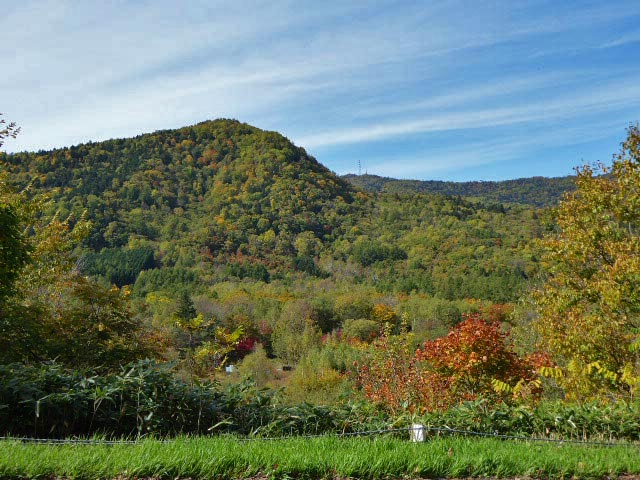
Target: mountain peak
[238, 180]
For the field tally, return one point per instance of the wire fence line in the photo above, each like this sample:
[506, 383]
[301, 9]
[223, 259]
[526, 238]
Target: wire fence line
[69, 441]
[365, 433]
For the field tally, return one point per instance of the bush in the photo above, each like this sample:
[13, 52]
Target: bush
[360, 329]
[589, 421]
[143, 398]
[147, 399]
[315, 381]
[258, 368]
[475, 359]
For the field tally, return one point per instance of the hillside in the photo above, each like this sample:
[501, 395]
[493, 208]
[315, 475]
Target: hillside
[243, 227]
[222, 200]
[535, 191]
[229, 178]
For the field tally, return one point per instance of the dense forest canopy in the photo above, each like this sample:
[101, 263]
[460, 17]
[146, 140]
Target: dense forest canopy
[232, 179]
[535, 191]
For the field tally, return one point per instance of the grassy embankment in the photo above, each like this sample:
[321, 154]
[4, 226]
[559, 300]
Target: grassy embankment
[316, 458]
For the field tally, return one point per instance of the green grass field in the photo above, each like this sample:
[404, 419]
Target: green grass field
[316, 458]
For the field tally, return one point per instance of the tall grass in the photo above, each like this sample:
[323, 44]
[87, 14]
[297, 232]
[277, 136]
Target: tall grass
[559, 420]
[147, 399]
[329, 457]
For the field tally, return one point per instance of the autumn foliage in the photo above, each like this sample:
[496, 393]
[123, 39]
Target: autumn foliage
[588, 307]
[474, 359]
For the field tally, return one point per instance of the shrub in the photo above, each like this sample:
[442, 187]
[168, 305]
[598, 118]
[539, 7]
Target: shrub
[360, 329]
[475, 359]
[314, 381]
[147, 399]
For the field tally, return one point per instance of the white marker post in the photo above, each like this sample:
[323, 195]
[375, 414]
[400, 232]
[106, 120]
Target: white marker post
[417, 432]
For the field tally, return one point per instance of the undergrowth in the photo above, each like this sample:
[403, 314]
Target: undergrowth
[146, 399]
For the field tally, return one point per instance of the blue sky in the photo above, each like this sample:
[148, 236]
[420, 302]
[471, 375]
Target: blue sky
[427, 89]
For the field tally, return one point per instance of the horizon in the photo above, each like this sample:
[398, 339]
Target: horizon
[409, 91]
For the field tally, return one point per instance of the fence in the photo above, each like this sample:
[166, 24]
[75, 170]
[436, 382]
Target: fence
[417, 433]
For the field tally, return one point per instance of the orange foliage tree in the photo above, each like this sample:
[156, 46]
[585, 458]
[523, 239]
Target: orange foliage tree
[475, 359]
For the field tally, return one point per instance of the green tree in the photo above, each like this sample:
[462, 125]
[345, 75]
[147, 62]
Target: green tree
[14, 256]
[14, 250]
[258, 367]
[47, 309]
[91, 326]
[52, 311]
[186, 309]
[589, 305]
[361, 329]
[306, 244]
[295, 333]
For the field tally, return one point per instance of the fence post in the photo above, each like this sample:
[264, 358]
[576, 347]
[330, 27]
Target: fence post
[417, 432]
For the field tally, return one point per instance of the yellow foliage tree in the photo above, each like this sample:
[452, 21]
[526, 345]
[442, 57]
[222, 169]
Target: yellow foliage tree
[589, 305]
[384, 314]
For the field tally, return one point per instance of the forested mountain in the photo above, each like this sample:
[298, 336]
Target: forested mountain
[213, 190]
[221, 225]
[233, 180]
[222, 243]
[222, 200]
[535, 191]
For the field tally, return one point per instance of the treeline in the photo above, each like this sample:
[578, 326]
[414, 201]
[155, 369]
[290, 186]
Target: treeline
[535, 191]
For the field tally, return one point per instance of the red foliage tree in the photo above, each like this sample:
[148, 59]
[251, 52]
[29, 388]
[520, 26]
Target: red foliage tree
[467, 363]
[472, 356]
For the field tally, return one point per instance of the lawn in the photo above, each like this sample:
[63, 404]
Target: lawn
[328, 457]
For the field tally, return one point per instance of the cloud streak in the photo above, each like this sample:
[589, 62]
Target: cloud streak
[480, 153]
[611, 96]
[631, 37]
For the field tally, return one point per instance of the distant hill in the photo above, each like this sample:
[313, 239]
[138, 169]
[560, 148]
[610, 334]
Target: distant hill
[535, 191]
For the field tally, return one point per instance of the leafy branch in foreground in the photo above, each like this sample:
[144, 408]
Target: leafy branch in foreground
[7, 130]
[47, 308]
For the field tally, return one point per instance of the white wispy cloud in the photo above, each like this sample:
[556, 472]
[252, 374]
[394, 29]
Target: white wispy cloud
[464, 95]
[609, 97]
[513, 148]
[631, 37]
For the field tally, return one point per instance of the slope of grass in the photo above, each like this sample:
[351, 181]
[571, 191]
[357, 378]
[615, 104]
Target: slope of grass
[316, 458]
